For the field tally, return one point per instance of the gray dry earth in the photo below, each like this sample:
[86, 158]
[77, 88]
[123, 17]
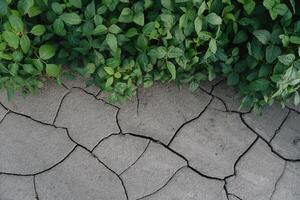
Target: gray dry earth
[68, 143]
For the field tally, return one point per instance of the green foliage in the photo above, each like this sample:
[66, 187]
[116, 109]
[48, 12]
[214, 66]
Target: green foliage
[121, 44]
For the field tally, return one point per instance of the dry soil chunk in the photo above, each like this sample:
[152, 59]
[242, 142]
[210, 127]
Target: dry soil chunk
[151, 171]
[187, 185]
[80, 176]
[119, 152]
[257, 173]
[213, 142]
[287, 141]
[29, 147]
[16, 188]
[42, 106]
[162, 109]
[268, 122]
[288, 186]
[88, 120]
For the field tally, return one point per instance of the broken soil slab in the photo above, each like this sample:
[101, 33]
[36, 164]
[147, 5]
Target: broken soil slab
[257, 173]
[287, 141]
[288, 186]
[187, 185]
[161, 110]
[80, 176]
[88, 120]
[151, 171]
[42, 106]
[268, 122]
[16, 188]
[29, 147]
[119, 152]
[214, 142]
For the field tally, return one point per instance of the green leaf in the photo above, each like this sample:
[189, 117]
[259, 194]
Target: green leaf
[115, 29]
[280, 9]
[259, 85]
[71, 18]
[247, 102]
[99, 58]
[126, 15]
[272, 52]
[211, 72]
[262, 35]
[76, 3]
[240, 37]
[147, 83]
[287, 59]
[296, 99]
[167, 4]
[202, 8]
[100, 29]
[11, 38]
[198, 24]
[16, 23]
[213, 45]
[34, 11]
[90, 68]
[117, 75]
[102, 9]
[175, 52]
[38, 64]
[53, 70]
[98, 20]
[269, 4]
[159, 52]
[10, 92]
[139, 18]
[183, 20]
[25, 43]
[29, 68]
[24, 6]
[255, 49]
[3, 8]
[109, 70]
[204, 35]
[113, 62]
[90, 10]
[172, 69]
[214, 19]
[194, 86]
[120, 87]
[142, 43]
[233, 78]
[264, 71]
[13, 69]
[38, 30]
[148, 3]
[295, 40]
[112, 42]
[17, 56]
[249, 6]
[59, 27]
[168, 20]
[143, 61]
[3, 69]
[58, 8]
[273, 14]
[293, 4]
[109, 81]
[46, 51]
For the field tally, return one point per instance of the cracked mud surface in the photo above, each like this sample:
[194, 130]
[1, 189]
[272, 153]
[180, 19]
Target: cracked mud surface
[68, 143]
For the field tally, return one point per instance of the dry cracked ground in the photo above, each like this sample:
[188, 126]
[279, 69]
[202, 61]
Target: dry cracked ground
[68, 143]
